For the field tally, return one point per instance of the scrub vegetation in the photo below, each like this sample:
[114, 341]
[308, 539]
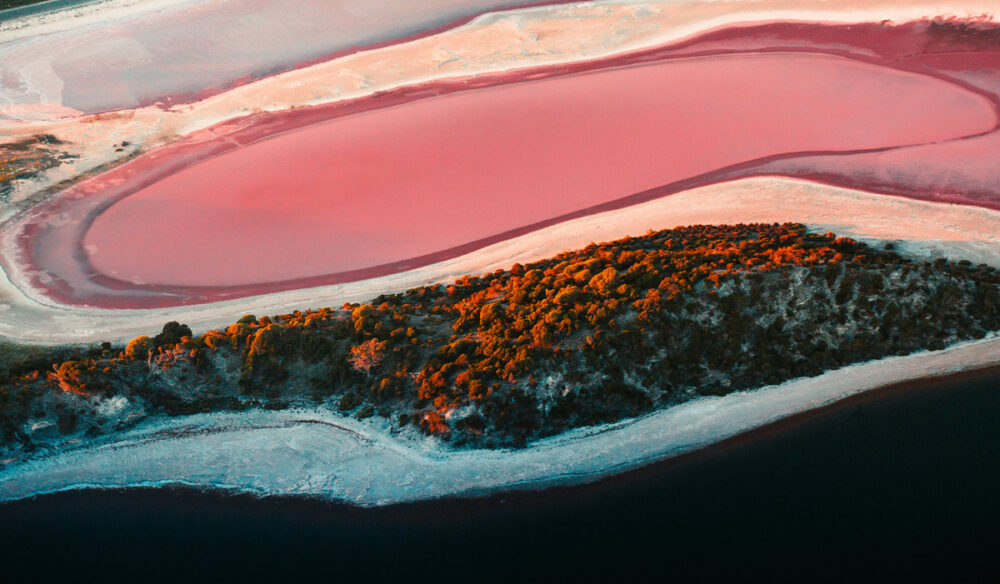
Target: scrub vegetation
[500, 359]
[24, 159]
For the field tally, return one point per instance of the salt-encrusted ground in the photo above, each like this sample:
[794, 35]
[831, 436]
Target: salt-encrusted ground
[500, 41]
[921, 228]
[319, 454]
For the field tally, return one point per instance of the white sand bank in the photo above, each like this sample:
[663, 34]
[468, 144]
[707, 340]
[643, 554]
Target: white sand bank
[921, 228]
[284, 453]
[495, 42]
[44, 20]
[317, 453]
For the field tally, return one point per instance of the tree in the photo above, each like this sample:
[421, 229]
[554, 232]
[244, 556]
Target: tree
[138, 348]
[568, 295]
[367, 356]
[604, 283]
[67, 376]
[172, 334]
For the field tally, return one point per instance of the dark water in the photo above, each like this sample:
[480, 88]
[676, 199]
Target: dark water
[900, 484]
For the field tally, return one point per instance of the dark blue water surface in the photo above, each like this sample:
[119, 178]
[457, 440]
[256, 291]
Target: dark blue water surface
[902, 483]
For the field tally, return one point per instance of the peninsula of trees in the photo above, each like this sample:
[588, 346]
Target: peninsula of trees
[500, 359]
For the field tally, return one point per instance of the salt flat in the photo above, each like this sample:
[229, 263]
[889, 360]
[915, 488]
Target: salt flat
[317, 453]
[920, 228]
[495, 42]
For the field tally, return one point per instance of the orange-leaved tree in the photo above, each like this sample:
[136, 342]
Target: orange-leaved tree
[367, 355]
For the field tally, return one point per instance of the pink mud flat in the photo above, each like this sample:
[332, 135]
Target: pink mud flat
[386, 184]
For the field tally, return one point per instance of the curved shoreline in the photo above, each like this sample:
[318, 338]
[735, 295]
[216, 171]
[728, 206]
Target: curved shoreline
[416, 510]
[318, 454]
[918, 227]
[515, 40]
[882, 481]
[110, 292]
[295, 42]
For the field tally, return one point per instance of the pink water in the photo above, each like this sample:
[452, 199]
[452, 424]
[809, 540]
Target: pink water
[421, 177]
[960, 171]
[511, 151]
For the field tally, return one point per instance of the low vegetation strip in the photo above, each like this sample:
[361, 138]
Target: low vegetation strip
[591, 336]
[24, 159]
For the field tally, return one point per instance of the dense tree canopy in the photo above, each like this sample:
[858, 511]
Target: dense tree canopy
[589, 336]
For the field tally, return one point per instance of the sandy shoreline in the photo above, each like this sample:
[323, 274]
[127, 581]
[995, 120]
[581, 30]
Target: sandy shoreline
[495, 42]
[922, 229]
[458, 505]
[315, 453]
[130, 123]
[308, 453]
[77, 15]
[289, 453]
[98, 274]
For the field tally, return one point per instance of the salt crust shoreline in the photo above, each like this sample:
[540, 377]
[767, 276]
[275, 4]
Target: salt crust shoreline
[81, 14]
[315, 453]
[318, 453]
[502, 41]
[921, 229]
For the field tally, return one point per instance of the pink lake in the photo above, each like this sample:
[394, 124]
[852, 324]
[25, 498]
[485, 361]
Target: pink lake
[429, 175]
